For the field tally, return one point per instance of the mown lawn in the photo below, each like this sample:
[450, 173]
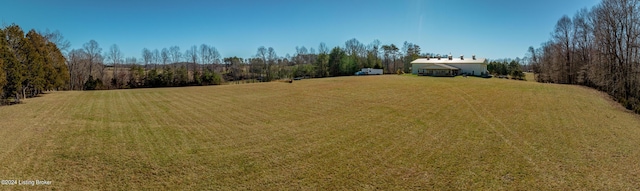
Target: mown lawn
[347, 133]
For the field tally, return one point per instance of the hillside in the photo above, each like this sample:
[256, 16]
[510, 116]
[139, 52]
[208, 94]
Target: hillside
[369, 132]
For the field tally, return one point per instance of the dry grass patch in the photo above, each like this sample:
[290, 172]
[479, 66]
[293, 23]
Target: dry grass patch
[373, 132]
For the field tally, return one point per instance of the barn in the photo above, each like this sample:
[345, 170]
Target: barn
[449, 66]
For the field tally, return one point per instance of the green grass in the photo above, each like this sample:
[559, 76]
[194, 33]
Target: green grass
[348, 133]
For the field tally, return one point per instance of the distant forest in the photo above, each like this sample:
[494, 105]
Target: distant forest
[91, 68]
[597, 47]
[41, 61]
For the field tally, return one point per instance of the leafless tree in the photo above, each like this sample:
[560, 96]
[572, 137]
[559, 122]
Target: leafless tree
[165, 56]
[156, 58]
[262, 56]
[115, 56]
[322, 48]
[215, 56]
[57, 38]
[176, 55]
[272, 60]
[192, 55]
[78, 70]
[93, 51]
[205, 55]
[562, 35]
[147, 57]
[599, 47]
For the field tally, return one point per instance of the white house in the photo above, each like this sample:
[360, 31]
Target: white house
[449, 66]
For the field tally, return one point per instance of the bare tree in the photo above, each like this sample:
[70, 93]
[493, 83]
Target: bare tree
[205, 54]
[582, 39]
[303, 53]
[598, 48]
[215, 56]
[165, 55]
[176, 55]
[272, 59]
[564, 28]
[262, 56]
[192, 54]
[147, 57]
[115, 56]
[57, 38]
[355, 48]
[76, 62]
[322, 48]
[93, 51]
[156, 58]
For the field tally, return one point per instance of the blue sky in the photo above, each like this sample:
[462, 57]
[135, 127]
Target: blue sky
[487, 28]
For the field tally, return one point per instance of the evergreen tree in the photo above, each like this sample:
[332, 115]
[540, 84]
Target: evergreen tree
[168, 76]
[210, 77]
[36, 75]
[29, 64]
[322, 65]
[14, 58]
[58, 62]
[335, 59]
[3, 75]
[182, 76]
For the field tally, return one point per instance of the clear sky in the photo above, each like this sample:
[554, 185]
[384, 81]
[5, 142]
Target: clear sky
[487, 28]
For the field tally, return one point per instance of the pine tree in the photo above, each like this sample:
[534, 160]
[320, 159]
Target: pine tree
[13, 61]
[58, 62]
[3, 74]
[36, 66]
[29, 64]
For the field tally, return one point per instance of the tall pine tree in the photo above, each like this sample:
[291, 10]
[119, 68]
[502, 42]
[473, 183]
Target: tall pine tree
[29, 64]
[36, 66]
[13, 61]
[60, 73]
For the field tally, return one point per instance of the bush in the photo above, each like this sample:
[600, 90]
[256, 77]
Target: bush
[93, 84]
[210, 78]
[181, 76]
[517, 74]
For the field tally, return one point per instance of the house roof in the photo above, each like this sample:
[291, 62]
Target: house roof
[439, 66]
[447, 61]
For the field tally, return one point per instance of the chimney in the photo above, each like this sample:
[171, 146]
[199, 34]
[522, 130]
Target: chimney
[450, 57]
[473, 57]
[461, 57]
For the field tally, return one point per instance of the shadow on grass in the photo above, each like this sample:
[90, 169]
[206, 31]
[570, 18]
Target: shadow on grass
[12, 101]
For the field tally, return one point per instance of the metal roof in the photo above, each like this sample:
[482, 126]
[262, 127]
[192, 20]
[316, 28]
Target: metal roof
[447, 61]
[439, 66]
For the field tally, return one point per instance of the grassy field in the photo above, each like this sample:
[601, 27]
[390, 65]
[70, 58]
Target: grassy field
[347, 133]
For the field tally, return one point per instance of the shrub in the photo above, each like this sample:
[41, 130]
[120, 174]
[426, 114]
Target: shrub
[210, 78]
[93, 84]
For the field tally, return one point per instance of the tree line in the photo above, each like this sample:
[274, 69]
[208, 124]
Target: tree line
[597, 47]
[506, 67]
[91, 68]
[36, 62]
[30, 63]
